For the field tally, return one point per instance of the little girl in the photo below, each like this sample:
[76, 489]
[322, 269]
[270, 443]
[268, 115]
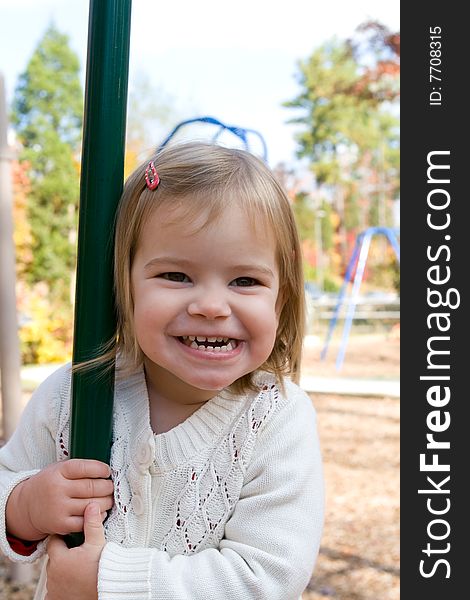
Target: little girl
[216, 488]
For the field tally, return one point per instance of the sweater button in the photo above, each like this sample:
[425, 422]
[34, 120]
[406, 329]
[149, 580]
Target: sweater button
[137, 504]
[145, 453]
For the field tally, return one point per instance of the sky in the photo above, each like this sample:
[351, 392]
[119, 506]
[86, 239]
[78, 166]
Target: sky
[234, 61]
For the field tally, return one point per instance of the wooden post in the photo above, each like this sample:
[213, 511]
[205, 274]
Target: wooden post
[10, 359]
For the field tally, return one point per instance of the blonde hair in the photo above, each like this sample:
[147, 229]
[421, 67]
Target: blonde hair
[211, 176]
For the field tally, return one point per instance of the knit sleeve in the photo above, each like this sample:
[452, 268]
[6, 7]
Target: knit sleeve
[271, 540]
[31, 447]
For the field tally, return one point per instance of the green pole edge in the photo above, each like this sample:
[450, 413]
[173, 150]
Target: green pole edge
[101, 182]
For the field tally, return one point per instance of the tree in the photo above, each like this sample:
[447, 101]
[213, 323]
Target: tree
[22, 228]
[348, 115]
[47, 115]
[380, 74]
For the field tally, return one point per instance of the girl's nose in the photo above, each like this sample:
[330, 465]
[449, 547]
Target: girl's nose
[211, 304]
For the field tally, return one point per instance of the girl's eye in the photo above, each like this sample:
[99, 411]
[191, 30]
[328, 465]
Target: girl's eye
[176, 277]
[245, 281]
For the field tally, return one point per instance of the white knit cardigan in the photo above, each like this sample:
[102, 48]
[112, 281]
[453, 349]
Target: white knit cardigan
[227, 505]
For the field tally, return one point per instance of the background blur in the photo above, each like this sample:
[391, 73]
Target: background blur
[319, 82]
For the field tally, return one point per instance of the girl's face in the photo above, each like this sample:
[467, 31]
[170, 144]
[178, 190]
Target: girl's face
[205, 302]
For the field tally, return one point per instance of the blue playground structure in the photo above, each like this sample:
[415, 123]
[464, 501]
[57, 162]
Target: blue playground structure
[359, 257]
[241, 132]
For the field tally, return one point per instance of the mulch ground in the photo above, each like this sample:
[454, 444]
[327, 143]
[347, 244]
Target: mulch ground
[359, 436]
[359, 554]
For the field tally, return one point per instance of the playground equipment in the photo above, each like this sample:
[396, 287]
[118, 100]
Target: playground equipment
[240, 132]
[9, 343]
[100, 190]
[358, 259]
[10, 360]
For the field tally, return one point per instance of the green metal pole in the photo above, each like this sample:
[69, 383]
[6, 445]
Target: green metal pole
[100, 188]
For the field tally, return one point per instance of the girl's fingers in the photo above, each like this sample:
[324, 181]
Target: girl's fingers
[81, 468]
[91, 488]
[71, 525]
[77, 506]
[93, 527]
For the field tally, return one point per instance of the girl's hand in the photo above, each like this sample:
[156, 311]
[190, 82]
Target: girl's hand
[53, 501]
[73, 573]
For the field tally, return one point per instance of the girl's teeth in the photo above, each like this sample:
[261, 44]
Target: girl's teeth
[226, 348]
[205, 339]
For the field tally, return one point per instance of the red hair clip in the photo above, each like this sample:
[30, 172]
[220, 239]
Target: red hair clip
[151, 176]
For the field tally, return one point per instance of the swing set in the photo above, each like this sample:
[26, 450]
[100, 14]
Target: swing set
[358, 261]
[241, 132]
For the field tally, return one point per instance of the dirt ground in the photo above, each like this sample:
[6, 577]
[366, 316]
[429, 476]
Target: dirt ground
[359, 554]
[367, 356]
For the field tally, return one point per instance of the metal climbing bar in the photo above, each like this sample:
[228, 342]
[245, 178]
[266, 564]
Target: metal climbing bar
[341, 295]
[102, 170]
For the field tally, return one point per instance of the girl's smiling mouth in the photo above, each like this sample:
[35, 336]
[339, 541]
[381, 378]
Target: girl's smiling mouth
[216, 344]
